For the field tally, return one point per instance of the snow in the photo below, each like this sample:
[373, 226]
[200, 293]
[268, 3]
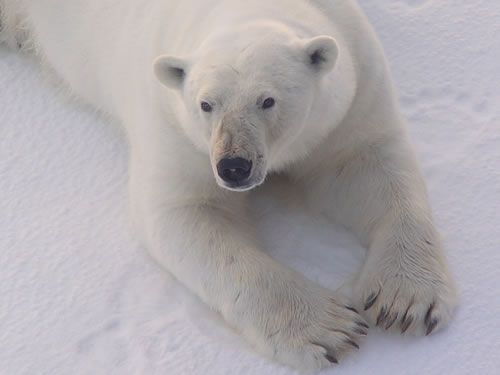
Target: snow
[79, 296]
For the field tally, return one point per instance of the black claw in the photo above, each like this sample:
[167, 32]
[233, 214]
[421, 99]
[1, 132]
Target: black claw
[391, 321]
[352, 343]
[352, 309]
[405, 324]
[431, 326]
[405, 315]
[371, 300]
[329, 353]
[382, 316]
[363, 324]
[429, 313]
[331, 359]
[360, 331]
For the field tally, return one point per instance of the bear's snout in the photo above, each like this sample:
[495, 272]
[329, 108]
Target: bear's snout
[234, 171]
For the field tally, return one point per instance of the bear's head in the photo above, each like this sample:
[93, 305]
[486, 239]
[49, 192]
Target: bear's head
[247, 98]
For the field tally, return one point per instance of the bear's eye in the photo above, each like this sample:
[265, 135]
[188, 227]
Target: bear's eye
[268, 103]
[205, 107]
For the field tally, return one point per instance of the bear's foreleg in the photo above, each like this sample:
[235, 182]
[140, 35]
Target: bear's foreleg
[207, 245]
[404, 284]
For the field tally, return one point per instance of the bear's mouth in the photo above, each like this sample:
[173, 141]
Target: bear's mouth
[241, 187]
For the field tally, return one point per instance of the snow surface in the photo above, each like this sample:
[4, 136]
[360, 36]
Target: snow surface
[79, 296]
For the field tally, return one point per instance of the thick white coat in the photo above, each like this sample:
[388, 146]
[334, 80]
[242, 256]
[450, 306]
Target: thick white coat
[338, 134]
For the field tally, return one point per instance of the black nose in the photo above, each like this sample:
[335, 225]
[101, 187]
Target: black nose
[234, 170]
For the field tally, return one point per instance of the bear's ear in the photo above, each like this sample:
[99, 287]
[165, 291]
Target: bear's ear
[321, 53]
[170, 71]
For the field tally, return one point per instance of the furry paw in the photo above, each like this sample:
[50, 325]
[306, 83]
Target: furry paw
[305, 329]
[319, 340]
[405, 304]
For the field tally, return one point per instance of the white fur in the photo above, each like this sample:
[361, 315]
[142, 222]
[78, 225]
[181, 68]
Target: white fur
[335, 129]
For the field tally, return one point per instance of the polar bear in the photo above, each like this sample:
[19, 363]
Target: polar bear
[214, 96]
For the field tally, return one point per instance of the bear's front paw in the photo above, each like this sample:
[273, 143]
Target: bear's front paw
[403, 302]
[310, 332]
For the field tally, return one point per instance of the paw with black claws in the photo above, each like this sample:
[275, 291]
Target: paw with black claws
[400, 303]
[318, 334]
[333, 333]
